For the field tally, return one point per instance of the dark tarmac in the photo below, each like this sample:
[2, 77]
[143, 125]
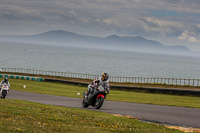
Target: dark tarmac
[179, 116]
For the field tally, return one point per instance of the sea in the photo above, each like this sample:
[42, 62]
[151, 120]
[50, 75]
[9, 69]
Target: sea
[95, 61]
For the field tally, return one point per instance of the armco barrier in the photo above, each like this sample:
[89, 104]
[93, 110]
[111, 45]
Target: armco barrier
[22, 77]
[138, 89]
[130, 88]
[181, 92]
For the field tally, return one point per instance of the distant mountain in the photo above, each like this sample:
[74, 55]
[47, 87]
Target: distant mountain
[60, 37]
[137, 41]
[56, 37]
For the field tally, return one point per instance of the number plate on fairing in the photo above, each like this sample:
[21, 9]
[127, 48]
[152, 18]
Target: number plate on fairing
[100, 88]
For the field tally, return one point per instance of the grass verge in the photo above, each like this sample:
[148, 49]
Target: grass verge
[23, 116]
[115, 95]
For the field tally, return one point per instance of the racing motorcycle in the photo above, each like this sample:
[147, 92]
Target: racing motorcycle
[4, 90]
[96, 97]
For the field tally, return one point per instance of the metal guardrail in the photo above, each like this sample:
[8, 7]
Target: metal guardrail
[166, 81]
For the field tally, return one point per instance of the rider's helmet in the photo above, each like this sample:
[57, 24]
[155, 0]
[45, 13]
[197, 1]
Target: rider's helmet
[6, 79]
[104, 76]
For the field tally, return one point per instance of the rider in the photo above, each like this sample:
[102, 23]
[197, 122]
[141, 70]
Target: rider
[5, 81]
[103, 80]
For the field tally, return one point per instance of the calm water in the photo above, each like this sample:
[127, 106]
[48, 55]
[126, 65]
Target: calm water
[96, 61]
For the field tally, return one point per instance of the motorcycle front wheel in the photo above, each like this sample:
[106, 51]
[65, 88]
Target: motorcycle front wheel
[4, 93]
[99, 102]
[84, 103]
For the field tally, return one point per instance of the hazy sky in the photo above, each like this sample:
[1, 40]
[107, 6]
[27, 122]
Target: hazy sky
[172, 22]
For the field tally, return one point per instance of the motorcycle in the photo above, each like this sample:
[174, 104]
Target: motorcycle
[95, 98]
[4, 90]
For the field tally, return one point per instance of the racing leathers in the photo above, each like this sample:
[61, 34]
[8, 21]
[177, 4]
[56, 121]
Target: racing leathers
[96, 83]
[2, 82]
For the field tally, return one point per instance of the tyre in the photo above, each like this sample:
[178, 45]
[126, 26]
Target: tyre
[99, 102]
[4, 93]
[84, 103]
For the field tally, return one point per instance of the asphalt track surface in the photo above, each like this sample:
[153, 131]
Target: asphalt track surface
[180, 116]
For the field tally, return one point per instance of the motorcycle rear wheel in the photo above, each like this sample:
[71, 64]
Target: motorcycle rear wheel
[99, 102]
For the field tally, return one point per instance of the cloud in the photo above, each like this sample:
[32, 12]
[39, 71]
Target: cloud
[189, 36]
[15, 12]
[127, 17]
[107, 21]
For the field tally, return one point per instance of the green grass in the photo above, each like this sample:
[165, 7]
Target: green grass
[115, 95]
[22, 116]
